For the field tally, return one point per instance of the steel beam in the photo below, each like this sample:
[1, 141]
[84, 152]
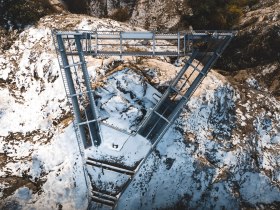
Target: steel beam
[94, 125]
[71, 87]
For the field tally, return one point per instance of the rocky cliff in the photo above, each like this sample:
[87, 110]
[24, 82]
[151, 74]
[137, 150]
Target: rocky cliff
[223, 151]
[154, 15]
[255, 52]
[258, 39]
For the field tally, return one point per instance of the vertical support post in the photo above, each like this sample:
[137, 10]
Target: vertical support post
[93, 126]
[82, 44]
[121, 45]
[154, 43]
[71, 87]
[89, 47]
[178, 44]
[86, 35]
[96, 42]
[190, 37]
[188, 43]
[185, 44]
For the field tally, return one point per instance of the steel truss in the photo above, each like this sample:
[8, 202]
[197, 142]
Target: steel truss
[202, 48]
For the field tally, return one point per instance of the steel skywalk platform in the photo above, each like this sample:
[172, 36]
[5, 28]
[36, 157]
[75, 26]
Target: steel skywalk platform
[202, 48]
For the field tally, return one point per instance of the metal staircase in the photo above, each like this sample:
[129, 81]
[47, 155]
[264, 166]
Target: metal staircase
[183, 86]
[201, 49]
[106, 197]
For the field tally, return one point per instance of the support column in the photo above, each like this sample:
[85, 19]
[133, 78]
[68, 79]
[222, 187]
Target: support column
[71, 87]
[92, 114]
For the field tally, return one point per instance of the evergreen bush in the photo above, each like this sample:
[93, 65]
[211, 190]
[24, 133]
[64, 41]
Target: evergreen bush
[216, 14]
[17, 14]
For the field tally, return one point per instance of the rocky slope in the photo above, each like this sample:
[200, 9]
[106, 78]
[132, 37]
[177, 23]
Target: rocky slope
[153, 15]
[159, 15]
[258, 37]
[223, 151]
[16, 15]
[254, 53]
[107, 8]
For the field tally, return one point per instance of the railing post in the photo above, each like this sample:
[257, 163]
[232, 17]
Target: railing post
[154, 44]
[89, 44]
[96, 42]
[121, 45]
[178, 44]
[189, 49]
[185, 44]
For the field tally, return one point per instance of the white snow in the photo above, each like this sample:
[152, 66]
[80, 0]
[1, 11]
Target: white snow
[256, 188]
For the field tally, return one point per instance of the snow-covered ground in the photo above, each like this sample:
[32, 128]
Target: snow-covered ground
[222, 152]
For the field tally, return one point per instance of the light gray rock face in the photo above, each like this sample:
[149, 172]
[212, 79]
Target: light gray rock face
[98, 8]
[58, 5]
[157, 14]
[255, 49]
[104, 8]
[149, 14]
[257, 39]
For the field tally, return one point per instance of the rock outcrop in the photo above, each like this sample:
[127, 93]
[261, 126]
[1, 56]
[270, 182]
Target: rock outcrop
[153, 15]
[254, 54]
[258, 39]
